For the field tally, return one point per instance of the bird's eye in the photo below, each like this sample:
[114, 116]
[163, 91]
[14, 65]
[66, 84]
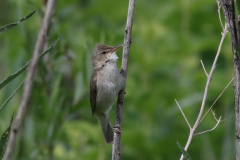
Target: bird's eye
[104, 52]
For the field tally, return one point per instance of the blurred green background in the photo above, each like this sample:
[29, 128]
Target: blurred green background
[169, 40]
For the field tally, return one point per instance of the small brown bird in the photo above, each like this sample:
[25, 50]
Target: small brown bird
[106, 82]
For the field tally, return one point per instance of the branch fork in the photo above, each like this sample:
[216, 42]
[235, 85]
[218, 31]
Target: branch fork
[209, 78]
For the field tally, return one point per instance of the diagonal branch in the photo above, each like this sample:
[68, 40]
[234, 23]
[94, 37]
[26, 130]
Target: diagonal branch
[214, 115]
[119, 111]
[216, 101]
[28, 86]
[218, 121]
[209, 78]
[183, 115]
[219, 13]
[204, 68]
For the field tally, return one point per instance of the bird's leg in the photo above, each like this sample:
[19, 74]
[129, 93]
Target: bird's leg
[115, 128]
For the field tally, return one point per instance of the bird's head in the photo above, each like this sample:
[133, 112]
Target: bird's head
[103, 54]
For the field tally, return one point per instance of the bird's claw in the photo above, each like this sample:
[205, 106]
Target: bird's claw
[116, 129]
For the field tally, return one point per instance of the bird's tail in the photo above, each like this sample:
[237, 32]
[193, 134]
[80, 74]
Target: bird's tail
[106, 127]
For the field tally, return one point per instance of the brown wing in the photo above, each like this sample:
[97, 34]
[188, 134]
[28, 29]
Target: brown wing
[93, 91]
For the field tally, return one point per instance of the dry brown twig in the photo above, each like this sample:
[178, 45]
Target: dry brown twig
[119, 111]
[209, 78]
[29, 83]
[219, 13]
[204, 68]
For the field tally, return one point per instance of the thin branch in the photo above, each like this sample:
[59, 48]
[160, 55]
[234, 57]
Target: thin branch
[218, 121]
[28, 86]
[214, 115]
[219, 13]
[209, 78]
[119, 111]
[204, 68]
[216, 100]
[183, 114]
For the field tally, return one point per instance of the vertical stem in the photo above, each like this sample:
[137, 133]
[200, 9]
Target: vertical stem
[236, 63]
[29, 83]
[230, 17]
[237, 103]
[188, 142]
[119, 111]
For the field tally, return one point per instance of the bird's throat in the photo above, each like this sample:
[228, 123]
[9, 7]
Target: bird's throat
[109, 69]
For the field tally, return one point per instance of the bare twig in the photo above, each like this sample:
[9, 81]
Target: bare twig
[119, 111]
[204, 68]
[216, 100]
[183, 114]
[219, 13]
[214, 115]
[28, 86]
[218, 121]
[209, 78]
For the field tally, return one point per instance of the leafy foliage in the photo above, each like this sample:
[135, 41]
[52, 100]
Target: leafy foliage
[9, 26]
[5, 136]
[4, 140]
[6, 102]
[14, 75]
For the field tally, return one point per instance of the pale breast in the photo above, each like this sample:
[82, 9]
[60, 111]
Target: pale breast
[109, 83]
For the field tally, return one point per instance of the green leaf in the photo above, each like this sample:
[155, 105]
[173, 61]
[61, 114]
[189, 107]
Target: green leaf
[4, 139]
[49, 49]
[185, 154]
[14, 75]
[8, 26]
[9, 98]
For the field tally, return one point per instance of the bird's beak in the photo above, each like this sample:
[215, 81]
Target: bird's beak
[115, 48]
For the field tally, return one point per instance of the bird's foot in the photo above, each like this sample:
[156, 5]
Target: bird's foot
[116, 129]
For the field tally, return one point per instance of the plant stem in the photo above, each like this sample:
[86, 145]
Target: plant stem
[119, 111]
[29, 80]
[209, 78]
